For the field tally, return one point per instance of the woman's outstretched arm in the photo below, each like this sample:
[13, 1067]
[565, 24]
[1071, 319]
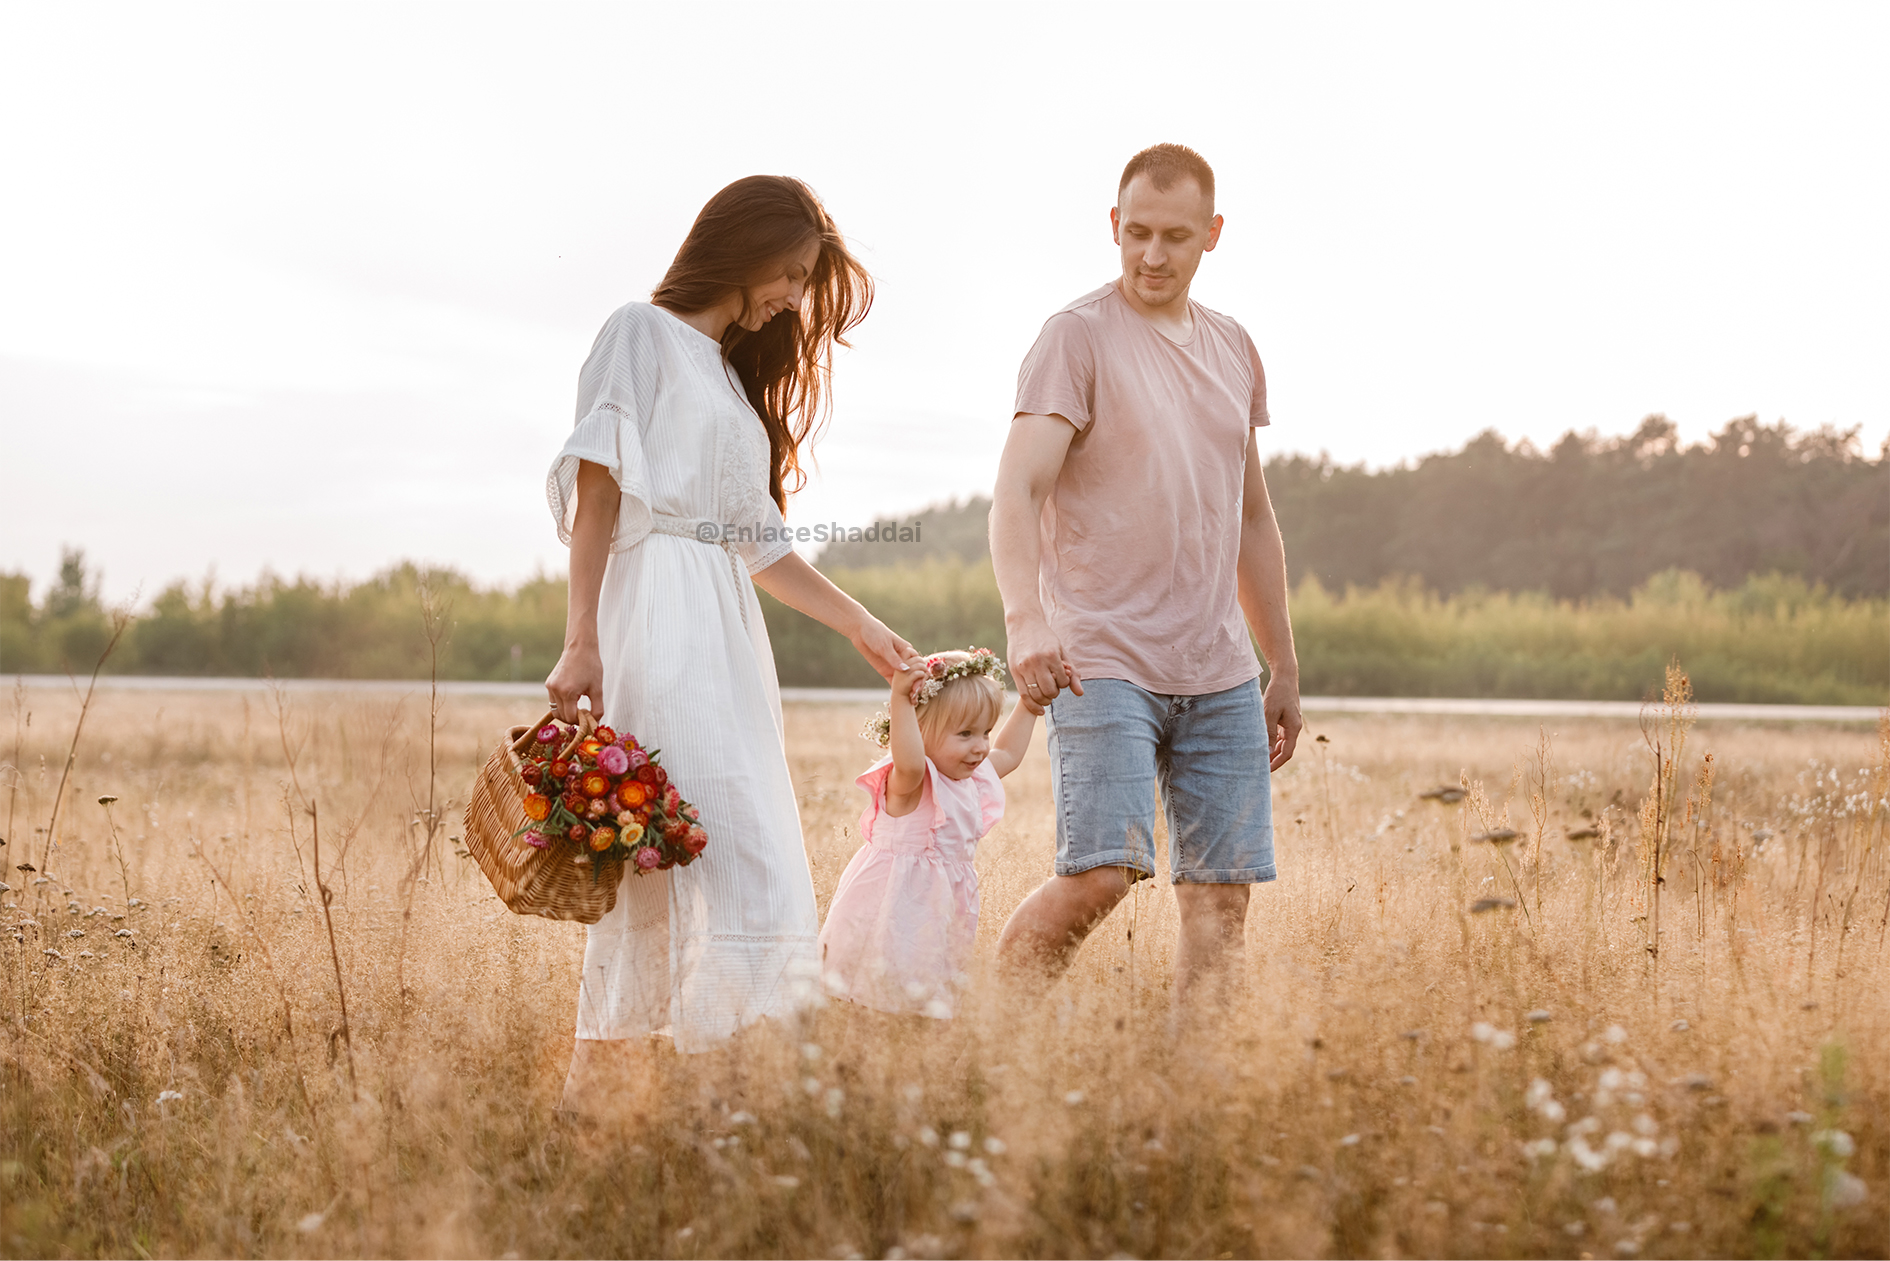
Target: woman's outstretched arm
[801, 587]
[580, 668]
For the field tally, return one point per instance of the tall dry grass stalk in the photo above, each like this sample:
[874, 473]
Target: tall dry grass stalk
[1397, 1074]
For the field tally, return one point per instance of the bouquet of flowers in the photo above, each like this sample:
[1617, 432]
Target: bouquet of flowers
[607, 795]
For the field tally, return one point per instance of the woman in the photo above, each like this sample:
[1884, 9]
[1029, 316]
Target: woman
[692, 410]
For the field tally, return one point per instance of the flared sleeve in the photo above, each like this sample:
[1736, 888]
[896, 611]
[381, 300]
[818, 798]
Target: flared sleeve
[769, 542]
[616, 399]
[990, 798]
[873, 781]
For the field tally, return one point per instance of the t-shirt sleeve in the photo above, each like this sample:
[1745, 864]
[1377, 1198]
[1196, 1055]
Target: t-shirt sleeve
[616, 402]
[1257, 407]
[1058, 377]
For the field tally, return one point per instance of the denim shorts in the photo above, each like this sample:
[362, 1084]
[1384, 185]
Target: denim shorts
[1113, 748]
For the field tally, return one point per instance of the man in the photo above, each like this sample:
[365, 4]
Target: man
[1130, 531]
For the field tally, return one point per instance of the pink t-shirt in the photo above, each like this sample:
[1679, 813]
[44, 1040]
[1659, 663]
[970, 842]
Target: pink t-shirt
[1141, 534]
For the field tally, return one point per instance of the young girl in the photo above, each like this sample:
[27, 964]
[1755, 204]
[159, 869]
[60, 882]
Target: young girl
[904, 920]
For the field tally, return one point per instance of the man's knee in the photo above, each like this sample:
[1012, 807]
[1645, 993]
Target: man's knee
[1097, 890]
[1222, 905]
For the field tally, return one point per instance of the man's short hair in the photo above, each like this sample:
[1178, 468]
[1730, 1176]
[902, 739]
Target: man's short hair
[1166, 163]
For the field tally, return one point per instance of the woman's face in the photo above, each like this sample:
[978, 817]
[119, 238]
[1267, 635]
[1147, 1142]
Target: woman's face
[765, 301]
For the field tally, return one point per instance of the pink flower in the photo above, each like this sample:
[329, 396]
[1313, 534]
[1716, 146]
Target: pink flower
[613, 761]
[672, 800]
[935, 666]
[537, 840]
[648, 858]
[638, 759]
[548, 734]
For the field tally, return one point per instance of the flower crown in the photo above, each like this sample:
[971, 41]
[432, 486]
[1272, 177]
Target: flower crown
[940, 668]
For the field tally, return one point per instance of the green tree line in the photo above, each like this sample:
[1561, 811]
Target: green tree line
[1774, 638]
[1589, 517]
[1761, 558]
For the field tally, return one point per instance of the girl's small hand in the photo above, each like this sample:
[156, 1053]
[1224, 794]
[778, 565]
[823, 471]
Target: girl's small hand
[907, 677]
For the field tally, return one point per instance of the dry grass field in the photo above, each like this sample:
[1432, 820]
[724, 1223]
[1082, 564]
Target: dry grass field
[1397, 1076]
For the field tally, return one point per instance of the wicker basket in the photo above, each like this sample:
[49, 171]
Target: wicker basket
[559, 882]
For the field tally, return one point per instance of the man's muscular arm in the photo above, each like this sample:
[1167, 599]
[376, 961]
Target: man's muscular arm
[1262, 570]
[1033, 456]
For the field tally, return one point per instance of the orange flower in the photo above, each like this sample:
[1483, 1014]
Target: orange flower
[537, 807]
[595, 784]
[632, 794]
[603, 838]
[591, 748]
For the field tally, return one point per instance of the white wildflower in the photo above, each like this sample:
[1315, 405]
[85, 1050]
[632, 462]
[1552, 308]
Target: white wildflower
[960, 1140]
[1844, 1190]
[1590, 1160]
[1835, 1143]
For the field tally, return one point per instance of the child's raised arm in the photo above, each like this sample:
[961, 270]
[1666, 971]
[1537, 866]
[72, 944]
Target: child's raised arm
[1013, 740]
[907, 781]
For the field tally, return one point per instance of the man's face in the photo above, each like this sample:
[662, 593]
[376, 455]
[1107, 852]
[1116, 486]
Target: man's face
[1162, 232]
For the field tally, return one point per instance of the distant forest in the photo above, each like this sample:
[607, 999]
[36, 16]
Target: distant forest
[1761, 557]
[1591, 516]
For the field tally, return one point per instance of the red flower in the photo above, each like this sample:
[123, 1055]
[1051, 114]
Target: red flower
[648, 773]
[574, 802]
[560, 768]
[577, 832]
[532, 772]
[674, 831]
[606, 735]
[696, 839]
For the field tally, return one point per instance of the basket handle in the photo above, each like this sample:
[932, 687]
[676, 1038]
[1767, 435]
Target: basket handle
[530, 734]
[585, 726]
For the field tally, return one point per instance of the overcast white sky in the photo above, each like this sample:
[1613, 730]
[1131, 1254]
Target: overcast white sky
[308, 287]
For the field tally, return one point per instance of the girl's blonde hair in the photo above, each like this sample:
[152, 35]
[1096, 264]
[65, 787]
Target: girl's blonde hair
[975, 700]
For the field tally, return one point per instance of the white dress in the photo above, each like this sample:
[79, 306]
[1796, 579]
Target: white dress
[698, 951]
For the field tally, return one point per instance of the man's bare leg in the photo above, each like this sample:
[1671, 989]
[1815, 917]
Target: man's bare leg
[1046, 930]
[1213, 934]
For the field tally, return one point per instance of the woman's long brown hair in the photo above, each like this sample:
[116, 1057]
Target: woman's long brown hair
[744, 237]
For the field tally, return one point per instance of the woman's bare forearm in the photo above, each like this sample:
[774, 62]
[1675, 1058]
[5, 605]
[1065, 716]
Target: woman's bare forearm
[801, 587]
[591, 530]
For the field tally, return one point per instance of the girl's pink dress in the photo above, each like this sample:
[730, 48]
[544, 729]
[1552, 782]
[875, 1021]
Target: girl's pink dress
[904, 921]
